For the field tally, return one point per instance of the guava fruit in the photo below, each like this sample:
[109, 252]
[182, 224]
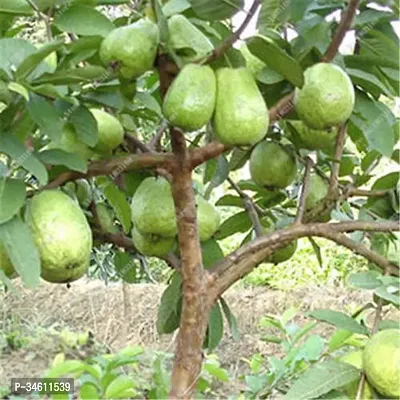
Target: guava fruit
[327, 97]
[105, 218]
[253, 63]
[272, 165]
[62, 236]
[152, 245]
[190, 100]
[110, 131]
[5, 263]
[354, 358]
[313, 139]
[188, 42]
[208, 219]
[153, 208]
[133, 46]
[381, 360]
[317, 190]
[70, 143]
[241, 115]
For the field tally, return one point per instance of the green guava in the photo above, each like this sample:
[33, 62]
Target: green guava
[110, 131]
[152, 245]
[327, 97]
[62, 236]
[241, 115]
[105, 218]
[381, 360]
[317, 190]
[188, 42]
[208, 219]
[313, 139]
[133, 47]
[153, 208]
[272, 165]
[82, 191]
[70, 143]
[253, 63]
[5, 263]
[190, 100]
[354, 358]
[284, 253]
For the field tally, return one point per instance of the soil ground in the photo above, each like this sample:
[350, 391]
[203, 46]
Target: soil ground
[117, 319]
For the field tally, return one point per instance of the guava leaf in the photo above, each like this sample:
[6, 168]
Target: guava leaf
[211, 253]
[15, 7]
[61, 157]
[125, 266]
[12, 198]
[175, 7]
[86, 73]
[230, 200]
[214, 10]
[85, 125]
[215, 328]
[22, 252]
[365, 280]
[239, 222]
[232, 321]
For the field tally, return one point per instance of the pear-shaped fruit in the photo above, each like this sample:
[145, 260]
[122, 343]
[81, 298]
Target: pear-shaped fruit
[190, 100]
[62, 236]
[272, 165]
[153, 208]
[241, 115]
[355, 359]
[188, 42]
[208, 219]
[327, 97]
[133, 47]
[381, 361]
[312, 139]
[317, 190]
[152, 245]
[253, 63]
[110, 131]
[5, 263]
[70, 143]
[105, 218]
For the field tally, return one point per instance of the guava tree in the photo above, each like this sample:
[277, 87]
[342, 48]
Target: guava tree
[124, 114]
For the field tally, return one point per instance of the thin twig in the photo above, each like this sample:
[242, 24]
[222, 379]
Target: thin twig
[304, 191]
[133, 140]
[155, 143]
[227, 43]
[334, 179]
[340, 33]
[45, 18]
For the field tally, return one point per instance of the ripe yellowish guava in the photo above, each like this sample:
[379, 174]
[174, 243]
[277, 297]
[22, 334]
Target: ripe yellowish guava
[253, 63]
[188, 42]
[354, 358]
[105, 218]
[381, 361]
[208, 219]
[313, 139]
[70, 143]
[190, 100]
[153, 208]
[327, 97]
[110, 131]
[133, 46]
[152, 245]
[317, 190]
[5, 263]
[62, 236]
[272, 165]
[153, 211]
[241, 114]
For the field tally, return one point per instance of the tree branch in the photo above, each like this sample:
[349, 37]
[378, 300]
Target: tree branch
[252, 209]
[116, 166]
[156, 140]
[304, 191]
[355, 192]
[136, 143]
[240, 262]
[344, 25]
[202, 154]
[281, 108]
[334, 179]
[227, 43]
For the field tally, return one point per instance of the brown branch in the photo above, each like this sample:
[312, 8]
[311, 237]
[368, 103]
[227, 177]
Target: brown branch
[115, 166]
[344, 25]
[354, 192]
[334, 179]
[304, 191]
[240, 262]
[156, 140]
[227, 43]
[202, 154]
[281, 108]
[136, 143]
